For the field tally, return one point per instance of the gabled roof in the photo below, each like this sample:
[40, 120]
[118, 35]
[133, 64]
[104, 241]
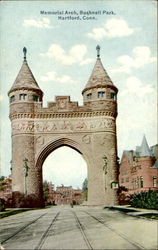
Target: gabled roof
[25, 79]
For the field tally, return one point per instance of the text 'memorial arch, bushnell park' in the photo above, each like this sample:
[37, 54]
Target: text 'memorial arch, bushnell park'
[90, 129]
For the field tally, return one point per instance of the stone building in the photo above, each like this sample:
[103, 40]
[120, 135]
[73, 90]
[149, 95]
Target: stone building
[67, 195]
[139, 168]
[90, 129]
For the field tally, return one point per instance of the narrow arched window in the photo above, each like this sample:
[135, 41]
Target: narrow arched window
[12, 98]
[35, 98]
[89, 96]
[113, 96]
[154, 181]
[141, 182]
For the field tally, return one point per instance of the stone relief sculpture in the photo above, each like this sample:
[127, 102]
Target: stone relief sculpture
[86, 139]
[105, 164]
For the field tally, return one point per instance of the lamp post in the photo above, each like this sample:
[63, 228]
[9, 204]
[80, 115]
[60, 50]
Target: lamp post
[26, 168]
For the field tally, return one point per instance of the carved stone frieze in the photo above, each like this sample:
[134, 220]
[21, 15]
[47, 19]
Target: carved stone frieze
[66, 126]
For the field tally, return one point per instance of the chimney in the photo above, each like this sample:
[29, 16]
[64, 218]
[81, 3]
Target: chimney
[131, 156]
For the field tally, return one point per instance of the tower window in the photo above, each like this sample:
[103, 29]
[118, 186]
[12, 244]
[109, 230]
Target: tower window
[113, 96]
[35, 98]
[22, 96]
[101, 94]
[154, 181]
[12, 98]
[89, 96]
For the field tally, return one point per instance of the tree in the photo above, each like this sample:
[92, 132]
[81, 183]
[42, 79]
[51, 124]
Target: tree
[85, 185]
[2, 183]
[85, 189]
[45, 190]
[2, 178]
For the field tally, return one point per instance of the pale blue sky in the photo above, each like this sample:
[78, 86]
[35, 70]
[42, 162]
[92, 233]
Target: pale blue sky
[61, 55]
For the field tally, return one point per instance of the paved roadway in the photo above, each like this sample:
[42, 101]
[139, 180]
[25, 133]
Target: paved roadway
[64, 227]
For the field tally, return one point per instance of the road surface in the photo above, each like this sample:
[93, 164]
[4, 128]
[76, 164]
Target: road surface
[63, 227]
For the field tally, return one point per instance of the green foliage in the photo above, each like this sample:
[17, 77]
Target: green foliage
[2, 183]
[85, 185]
[148, 200]
[2, 205]
[2, 178]
[85, 195]
[85, 189]
[12, 212]
[45, 190]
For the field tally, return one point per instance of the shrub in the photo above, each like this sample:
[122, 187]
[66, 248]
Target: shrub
[123, 197]
[2, 205]
[26, 201]
[148, 200]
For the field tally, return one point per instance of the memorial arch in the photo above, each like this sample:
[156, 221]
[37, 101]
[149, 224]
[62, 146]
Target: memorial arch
[89, 129]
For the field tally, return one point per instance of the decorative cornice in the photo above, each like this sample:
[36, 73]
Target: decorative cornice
[39, 91]
[101, 86]
[61, 115]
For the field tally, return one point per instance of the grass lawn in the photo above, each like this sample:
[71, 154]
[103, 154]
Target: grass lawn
[9, 212]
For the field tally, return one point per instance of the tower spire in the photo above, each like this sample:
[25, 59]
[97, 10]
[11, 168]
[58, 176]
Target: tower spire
[25, 78]
[98, 51]
[24, 51]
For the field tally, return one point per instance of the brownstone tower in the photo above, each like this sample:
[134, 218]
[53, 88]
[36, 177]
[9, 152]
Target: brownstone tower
[90, 129]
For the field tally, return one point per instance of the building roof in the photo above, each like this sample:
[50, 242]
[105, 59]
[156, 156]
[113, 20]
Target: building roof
[25, 79]
[144, 148]
[142, 151]
[127, 154]
[99, 76]
[155, 164]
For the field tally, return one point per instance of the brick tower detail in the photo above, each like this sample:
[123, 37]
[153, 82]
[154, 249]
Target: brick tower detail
[89, 129]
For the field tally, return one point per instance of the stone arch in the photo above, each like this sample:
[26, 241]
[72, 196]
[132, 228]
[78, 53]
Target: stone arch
[53, 145]
[90, 129]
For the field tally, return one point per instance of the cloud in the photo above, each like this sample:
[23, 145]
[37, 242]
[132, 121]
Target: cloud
[113, 27]
[1, 98]
[136, 113]
[134, 86]
[43, 23]
[141, 56]
[52, 76]
[75, 55]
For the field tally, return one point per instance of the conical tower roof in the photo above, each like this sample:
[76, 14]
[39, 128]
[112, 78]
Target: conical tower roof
[144, 148]
[99, 76]
[25, 78]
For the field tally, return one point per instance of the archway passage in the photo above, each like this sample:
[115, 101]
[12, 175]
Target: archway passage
[59, 171]
[65, 166]
[55, 145]
[64, 172]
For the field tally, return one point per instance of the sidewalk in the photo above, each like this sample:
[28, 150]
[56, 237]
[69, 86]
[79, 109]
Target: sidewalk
[132, 211]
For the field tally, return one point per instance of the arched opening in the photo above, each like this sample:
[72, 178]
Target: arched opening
[63, 170]
[65, 166]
